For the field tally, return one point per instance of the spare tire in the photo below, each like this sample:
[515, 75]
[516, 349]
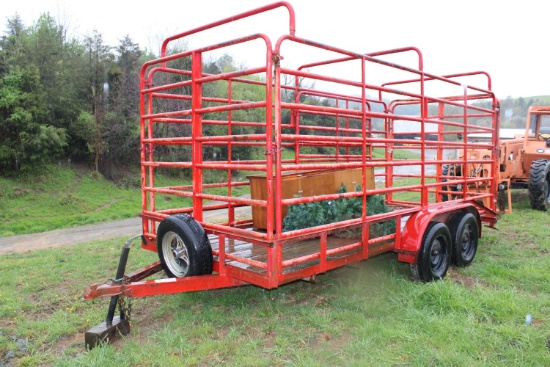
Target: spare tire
[183, 247]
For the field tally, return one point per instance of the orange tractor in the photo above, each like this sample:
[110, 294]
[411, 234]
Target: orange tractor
[524, 162]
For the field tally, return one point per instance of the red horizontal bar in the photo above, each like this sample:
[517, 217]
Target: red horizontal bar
[162, 286]
[246, 261]
[301, 259]
[292, 22]
[344, 248]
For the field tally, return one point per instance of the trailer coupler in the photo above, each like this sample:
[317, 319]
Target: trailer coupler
[114, 326]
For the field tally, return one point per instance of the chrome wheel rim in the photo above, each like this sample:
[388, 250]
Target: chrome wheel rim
[175, 254]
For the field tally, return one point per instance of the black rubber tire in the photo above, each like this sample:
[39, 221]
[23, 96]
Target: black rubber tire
[539, 184]
[183, 247]
[434, 255]
[465, 236]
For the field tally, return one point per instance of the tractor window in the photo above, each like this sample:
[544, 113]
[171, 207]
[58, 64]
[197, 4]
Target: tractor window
[545, 124]
[543, 120]
[533, 124]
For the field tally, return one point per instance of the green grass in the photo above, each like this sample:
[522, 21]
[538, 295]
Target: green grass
[370, 316]
[411, 153]
[60, 198]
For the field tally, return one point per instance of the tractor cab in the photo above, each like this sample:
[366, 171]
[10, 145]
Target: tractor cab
[539, 124]
[537, 130]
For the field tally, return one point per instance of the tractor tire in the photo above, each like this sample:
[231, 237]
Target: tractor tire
[447, 170]
[444, 172]
[465, 235]
[183, 247]
[539, 184]
[434, 255]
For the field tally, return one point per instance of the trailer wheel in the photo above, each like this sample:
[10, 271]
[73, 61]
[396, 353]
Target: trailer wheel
[539, 182]
[183, 247]
[465, 235]
[434, 255]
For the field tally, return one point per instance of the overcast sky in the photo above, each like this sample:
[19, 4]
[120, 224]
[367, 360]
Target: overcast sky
[507, 39]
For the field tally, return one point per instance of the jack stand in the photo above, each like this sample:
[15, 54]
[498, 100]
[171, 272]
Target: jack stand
[104, 333]
[113, 327]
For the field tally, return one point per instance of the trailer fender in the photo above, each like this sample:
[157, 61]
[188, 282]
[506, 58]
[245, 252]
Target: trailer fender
[412, 233]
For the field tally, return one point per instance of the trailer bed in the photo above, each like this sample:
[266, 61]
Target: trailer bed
[305, 125]
[337, 247]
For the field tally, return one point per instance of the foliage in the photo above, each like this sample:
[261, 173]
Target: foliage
[329, 211]
[514, 110]
[67, 97]
[22, 138]
[83, 95]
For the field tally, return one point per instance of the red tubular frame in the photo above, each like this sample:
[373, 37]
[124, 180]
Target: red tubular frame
[357, 127]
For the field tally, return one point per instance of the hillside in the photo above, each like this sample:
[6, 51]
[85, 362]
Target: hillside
[514, 110]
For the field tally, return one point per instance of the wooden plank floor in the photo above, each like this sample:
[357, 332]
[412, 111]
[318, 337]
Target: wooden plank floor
[290, 251]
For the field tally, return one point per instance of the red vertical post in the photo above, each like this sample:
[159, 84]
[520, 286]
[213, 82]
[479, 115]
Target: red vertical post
[295, 114]
[323, 253]
[424, 117]
[274, 263]
[143, 148]
[365, 235]
[230, 209]
[347, 134]
[440, 138]
[337, 131]
[364, 137]
[221, 255]
[196, 104]
[465, 134]
[273, 116]
[151, 157]
[496, 151]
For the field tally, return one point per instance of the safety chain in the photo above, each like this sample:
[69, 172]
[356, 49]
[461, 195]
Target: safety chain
[126, 311]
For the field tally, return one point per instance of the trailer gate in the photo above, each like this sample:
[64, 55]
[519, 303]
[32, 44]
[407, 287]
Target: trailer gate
[290, 118]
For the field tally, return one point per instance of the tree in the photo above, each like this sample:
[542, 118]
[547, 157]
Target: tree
[124, 79]
[23, 139]
[99, 58]
[121, 124]
[12, 45]
[59, 63]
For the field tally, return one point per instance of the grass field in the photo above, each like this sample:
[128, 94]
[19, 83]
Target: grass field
[373, 315]
[61, 197]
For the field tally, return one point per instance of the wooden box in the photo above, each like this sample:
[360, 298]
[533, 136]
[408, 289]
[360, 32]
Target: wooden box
[303, 184]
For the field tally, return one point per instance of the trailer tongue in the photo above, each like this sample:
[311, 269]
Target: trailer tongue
[309, 164]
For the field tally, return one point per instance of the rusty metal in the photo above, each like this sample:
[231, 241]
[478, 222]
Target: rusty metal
[363, 128]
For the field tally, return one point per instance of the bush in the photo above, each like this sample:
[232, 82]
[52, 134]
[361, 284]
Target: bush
[329, 211]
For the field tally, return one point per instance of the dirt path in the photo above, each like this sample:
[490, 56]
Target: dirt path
[88, 233]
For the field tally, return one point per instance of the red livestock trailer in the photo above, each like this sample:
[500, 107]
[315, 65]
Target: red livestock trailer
[312, 159]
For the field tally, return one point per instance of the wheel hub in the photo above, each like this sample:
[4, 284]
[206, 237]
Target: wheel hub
[436, 256]
[175, 254]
